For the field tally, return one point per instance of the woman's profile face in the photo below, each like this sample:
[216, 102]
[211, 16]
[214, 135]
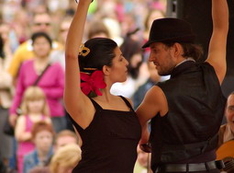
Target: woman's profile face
[41, 47]
[119, 70]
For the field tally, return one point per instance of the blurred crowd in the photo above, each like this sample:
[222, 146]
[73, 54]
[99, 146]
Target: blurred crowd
[32, 36]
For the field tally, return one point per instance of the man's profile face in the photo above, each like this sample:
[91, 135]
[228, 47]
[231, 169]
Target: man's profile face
[162, 58]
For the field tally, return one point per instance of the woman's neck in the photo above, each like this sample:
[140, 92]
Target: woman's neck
[40, 64]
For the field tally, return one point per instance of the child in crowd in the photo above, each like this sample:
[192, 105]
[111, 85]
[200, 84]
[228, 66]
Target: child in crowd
[34, 109]
[65, 137]
[42, 136]
[65, 159]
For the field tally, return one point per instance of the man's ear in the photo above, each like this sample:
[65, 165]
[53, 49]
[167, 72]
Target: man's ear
[178, 50]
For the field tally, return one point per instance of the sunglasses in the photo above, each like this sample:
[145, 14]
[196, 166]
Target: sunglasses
[39, 24]
[63, 30]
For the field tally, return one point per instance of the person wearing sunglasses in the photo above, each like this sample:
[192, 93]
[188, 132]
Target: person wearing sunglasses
[41, 22]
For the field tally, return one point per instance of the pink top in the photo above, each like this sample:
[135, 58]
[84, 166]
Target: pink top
[52, 82]
[26, 146]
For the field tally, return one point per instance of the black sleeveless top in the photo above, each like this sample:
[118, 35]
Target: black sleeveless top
[109, 142]
[188, 133]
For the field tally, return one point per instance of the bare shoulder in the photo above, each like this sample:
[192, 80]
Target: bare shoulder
[83, 116]
[154, 102]
[155, 94]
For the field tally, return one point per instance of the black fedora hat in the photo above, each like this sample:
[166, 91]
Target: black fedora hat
[170, 30]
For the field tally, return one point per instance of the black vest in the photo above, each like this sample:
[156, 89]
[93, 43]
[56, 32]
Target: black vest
[196, 106]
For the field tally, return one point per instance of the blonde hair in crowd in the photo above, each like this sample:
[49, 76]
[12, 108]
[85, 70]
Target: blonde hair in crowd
[66, 157]
[33, 93]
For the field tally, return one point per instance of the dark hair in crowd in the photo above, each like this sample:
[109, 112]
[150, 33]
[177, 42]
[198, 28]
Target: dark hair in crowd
[1, 47]
[190, 50]
[130, 48]
[41, 34]
[101, 53]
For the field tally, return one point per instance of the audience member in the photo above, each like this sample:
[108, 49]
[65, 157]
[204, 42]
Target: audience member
[52, 81]
[65, 137]
[41, 22]
[21, 25]
[152, 15]
[114, 29]
[9, 35]
[97, 28]
[58, 55]
[65, 159]
[226, 131]
[42, 137]
[153, 79]
[34, 109]
[6, 95]
[226, 137]
[137, 70]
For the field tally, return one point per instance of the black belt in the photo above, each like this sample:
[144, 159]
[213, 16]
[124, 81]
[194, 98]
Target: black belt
[190, 167]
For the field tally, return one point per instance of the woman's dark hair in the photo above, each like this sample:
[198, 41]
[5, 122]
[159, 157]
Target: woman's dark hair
[101, 53]
[190, 50]
[41, 34]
